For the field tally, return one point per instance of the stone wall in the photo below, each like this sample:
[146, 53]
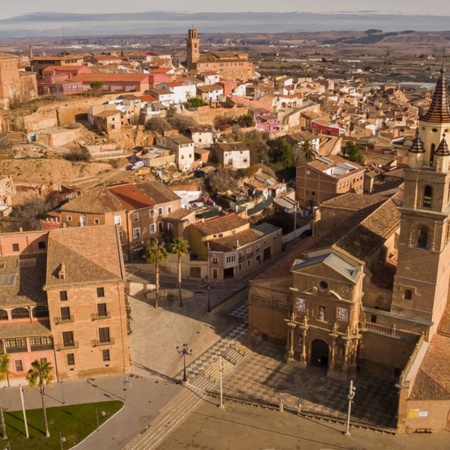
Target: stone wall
[427, 415]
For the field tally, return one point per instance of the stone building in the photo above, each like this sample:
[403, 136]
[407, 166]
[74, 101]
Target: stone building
[370, 291]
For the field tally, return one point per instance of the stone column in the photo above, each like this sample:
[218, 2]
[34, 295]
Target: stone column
[289, 356]
[303, 358]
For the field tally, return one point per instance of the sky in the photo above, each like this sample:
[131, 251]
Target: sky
[429, 7]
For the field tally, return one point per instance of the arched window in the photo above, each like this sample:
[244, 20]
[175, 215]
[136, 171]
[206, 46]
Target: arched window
[422, 237]
[427, 196]
[20, 313]
[3, 314]
[40, 311]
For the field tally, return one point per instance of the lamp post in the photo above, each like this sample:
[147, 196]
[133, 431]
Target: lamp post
[221, 382]
[62, 391]
[351, 396]
[103, 413]
[207, 279]
[126, 385]
[24, 412]
[62, 439]
[183, 352]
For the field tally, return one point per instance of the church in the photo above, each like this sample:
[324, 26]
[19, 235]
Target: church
[369, 290]
[229, 65]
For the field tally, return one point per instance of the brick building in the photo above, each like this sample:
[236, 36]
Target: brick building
[370, 290]
[327, 177]
[229, 65]
[51, 305]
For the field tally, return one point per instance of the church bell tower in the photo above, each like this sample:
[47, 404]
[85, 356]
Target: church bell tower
[192, 48]
[423, 269]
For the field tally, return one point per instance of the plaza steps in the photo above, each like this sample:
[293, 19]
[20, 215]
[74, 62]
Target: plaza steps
[234, 356]
[213, 371]
[172, 415]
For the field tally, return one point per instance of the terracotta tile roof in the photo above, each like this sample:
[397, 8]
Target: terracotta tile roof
[231, 242]
[158, 192]
[22, 286]
[282, 268]
[23, 330]
[91, 255]
[433, 380]
[221, 224]
[179, 215]
[95, 200]
[131, 197]
[111, 77]
[352, 201]
[229, 147]
[320, 165]
[107, 113]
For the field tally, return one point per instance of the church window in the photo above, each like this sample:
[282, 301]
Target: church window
[323, 285]
[433, 148]
[407, 295]
[422, 238]
[427, 196]
[434, 130]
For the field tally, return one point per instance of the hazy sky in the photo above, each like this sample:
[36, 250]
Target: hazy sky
[431, 7]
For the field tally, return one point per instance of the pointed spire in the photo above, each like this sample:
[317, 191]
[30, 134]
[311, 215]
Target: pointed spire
[442, 150]
[417, 145]
[439, 110]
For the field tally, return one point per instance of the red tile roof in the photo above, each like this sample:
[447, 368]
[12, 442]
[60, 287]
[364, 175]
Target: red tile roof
[131, 197]
[221, 224]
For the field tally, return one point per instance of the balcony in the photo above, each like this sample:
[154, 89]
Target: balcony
[16, 349]
[63, 319]
[97, 316]
[67, 346]
[99, 343]
[38, 348]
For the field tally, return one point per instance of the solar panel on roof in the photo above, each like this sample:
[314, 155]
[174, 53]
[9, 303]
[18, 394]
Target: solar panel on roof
[7, 279]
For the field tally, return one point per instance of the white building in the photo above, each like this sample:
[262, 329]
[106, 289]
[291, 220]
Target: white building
[183, 148]
[233, 155]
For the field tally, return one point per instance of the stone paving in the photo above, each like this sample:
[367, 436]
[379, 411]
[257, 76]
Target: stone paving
[263, 376]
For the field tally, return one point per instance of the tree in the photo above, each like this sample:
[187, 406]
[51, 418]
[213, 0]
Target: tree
[97, 86]
[221, 180]
[158, 124]
[283, 153]
[308, 151]
[195, 102]
[40, 375]
[246, 121]
[4, 371]
[156, 253]
[182, 123]
[180, 247]
[353, 153]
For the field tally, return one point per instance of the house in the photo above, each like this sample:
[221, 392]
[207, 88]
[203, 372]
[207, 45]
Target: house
[115, 82]
[210, 93]
[182, 146]
[231, 247]
[55, 308]
[182, 90]
[327, 177]
[202, 136]
[234, 155]
[107, 121]
[39, 63]
[103, 60]
[58, 80]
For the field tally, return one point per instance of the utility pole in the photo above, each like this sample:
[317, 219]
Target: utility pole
[351, 396]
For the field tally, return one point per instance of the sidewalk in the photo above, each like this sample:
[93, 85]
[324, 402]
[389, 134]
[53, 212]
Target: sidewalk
[142, 402]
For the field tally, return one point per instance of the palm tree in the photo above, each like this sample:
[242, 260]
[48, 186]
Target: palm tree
[4, 371]
[309, 152]
[156, 252]
[180, 247]
[40, 375]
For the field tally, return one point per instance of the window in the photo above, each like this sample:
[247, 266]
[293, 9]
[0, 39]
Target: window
[70, 359]
[103, 334]
[422, 238]
[373, 318]
[160, 227]
[96, 221]
[230, 259]
[100, 292]
[41, 245]
[15, 345]
[169, 209]
[20, 313]
[135, 217]
[3, 314]
[40, 311]
[152, 213]
[101, 310]
[67, 337]
[117, 220]
[136, 233]
[160, 211]
[106, 355]
[65, 313]
[152, 228]
[69, 218]
[407, 295]
[427, 196]
[18, 365]
[63, 296]
[15, 247]
[313, 193]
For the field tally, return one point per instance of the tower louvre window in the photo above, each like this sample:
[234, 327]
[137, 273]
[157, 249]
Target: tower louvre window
[427, 196]
[422, 238]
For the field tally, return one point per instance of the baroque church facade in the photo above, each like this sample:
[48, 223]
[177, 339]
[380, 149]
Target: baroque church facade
[369, 291]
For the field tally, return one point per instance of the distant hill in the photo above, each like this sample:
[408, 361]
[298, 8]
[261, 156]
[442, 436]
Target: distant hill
[53, 24]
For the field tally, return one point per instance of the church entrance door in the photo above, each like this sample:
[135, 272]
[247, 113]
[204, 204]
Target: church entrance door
[319, 353]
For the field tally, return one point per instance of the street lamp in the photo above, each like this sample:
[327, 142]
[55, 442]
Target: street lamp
[62, 439]
[183, 352]
[103, 413]
[207, 279]
[126, 385]
[351, 396]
